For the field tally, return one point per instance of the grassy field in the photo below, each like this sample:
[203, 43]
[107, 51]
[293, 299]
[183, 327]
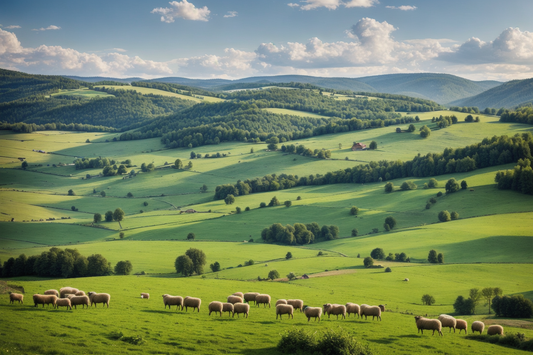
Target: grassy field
[284, 111]
[147, 91]
[83, 93]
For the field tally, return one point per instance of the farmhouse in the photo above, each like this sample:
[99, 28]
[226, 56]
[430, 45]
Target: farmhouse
[358, 146]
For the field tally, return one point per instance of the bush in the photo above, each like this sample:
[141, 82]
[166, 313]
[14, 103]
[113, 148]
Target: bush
[464, 305]
[262, 204]
[428, 300]
[408, 185]
[389, 187]
[368, 262]
[464, 185]
[121, 235]
[145, 203]
[238, 210]
[388, 269]
[439, 194]
[297, 340]
[273, 274]
[354, 211]
[428, 206]
[129, 195]
[444, 216]
[287, 203]
[452, 186]
[454, 215]
[433, 183]
[355, 232]
[378, 254]
[515, 306]
[288, 256]
[247, 209]
[191, 236]
[390, 222]
[340, 342]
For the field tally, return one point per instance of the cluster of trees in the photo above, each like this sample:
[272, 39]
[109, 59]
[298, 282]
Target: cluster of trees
[191, 262]
[463, 305]
[445, 216]
[519, 179]
[97, 163]
[110, 216]
[425, 131]
[490, 152]
[299, 233]
[444, 121]
[435, 258]
[520, 115]
[21, 127]
[466, 109]
[515, 306]
[307, 152]
[57, 263]
[379, 254]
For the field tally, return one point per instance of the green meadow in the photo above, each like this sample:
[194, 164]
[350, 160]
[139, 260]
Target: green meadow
[147, 91]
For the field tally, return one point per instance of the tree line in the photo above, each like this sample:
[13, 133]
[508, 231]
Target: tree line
[298, 233]
[22, 127]
[520, 115]
[519, 179]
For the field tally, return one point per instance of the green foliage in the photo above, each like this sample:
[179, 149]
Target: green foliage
[297, 340]
[230, 199]
[191, 236]
[377, 253]
[389, 187]
[425, 131]
[97, 265]
[288, 255]
[515, 306]
[123, 268]
[291, 276]
[428, 300]
[102, 193]
[519, 179]
[288, 203]
[464, 185]
[390, 223]
[373, 145]
[521, 115]
[444, 216]
[203, 189]
[121, 235]
[354, 211]
[452, 186]
[388, 269]
[215, 266]
[262, 204]
[432, 256]
[368, 262]
[433, 183]
[109, 216]
[118, 215]
[440, 258]
[71, 193]
[355, 232]
[273, 274]
[198, 260]
[238, 210]
[408, 185]
[184, 265]
[454, 216]
[178, 164]
[274, 202]
[97, 218]
[464, 306]
[129, 195]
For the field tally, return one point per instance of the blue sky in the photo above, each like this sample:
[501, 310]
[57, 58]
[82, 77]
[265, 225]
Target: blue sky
[475, 39]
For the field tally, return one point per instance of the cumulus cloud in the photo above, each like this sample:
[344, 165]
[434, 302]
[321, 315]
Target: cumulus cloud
[231, 14]
[292, 4]
[119, 50]
[361, 3]
[314, 4]
[184, 10]
[403, 7]
[234, 63]
[51, 27]
[12, 27]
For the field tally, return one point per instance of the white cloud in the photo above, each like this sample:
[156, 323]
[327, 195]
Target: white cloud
[292, 4]
[314, 4]
[119, 50]
[13, 27]
[184, 10]
[403, 7]
[234, 63]
[361, 3]
[51, 27]
[231, 14]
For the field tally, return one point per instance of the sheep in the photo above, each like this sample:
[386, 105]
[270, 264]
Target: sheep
[52, 292]
[335, 309]
[315, 312]
[234, 299]
[495, 329]
[215, 306]
[79, 301]
[63, 302]
[169, 300]
[44, 299]
[428, 324]
[145, 295]
[250, 296]
[477, 326]
[191, 302]
[67, 290]
[281, 301]
[241, 308]
[284, 309]
[240, 294]
[373, 311]
[406, 279]
[99, 298]
[297, 304]
[80, 293]
[461, 324]
[16, 297]
[227, 307]
[264, 299]
[382, 307]
[448, 322]
[353, 308]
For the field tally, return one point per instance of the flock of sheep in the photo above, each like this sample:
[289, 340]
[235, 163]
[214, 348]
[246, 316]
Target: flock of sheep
[446, 321]
[65, 297]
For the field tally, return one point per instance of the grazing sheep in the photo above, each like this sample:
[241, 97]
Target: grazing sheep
[250, 296]
[428, 324]
[353, 308]
[297, 304]
[461, 324]
[169, 300]
[16, 297]
[44, 299]
[191, 302]
[67, 291]
[281, 301]
[227, 307]
[70, 295]
[145, 295]
[51, 292]
[313, 312]
[264, 299]
[406, 279]
[284, 309]
[234, 299]
[495, 329]
[335, 309]
[240, 294]
[99, 298]
[80, 301]
[382, 307]
[241, 308]
[448, 322]
[477, 326]
[373, 311]
[215, 306]
[80, 293]
[63, 302]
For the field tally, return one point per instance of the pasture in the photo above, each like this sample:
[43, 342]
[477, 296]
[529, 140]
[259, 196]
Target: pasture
[148, 91]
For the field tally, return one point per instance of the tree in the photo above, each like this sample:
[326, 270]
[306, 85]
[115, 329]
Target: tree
[440, 258]
[262, 204]
[215, 266]
[273, 274]
[191, 236]
[432, 256]
[274, 202]
[98, 266]
[444, 216]
[122, 170]
[488, 294]
[193, 155]
[475, 296]
[123, 268]
[238, 210]
[368, 262]
[129, 195]
[97, 218]
[71, 192]
[355, 232]
[463, 306]
[390, 222]
[408, 185]
[433, 183]
[454, 216]
[425, 131]
[184, 265]
[109, 216]
[411, 128]
[354, 211]
[464, 185]
[288, 256]
[24, 165]
[189, 165]
[198, 259]
[291, 276]
[377, 253]
[118, 215]
[203, 189]
[452, 186]
[230, 199]
[428, 300]
[178, 164]
[373, 145]
[272, 143]
[102, 193]
[389, 187]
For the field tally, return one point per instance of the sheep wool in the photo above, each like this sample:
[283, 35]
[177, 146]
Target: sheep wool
[102, 298]
[297, 304]
[495, 329]
[353, 308]
[227, 307]
[428, 324]
[313, 312]
[373, 311]
[63, 302]
[79, 301]
[461, 324]
[215, 306]
[239, 294]
[234, 299]
[243, 308]
[448, 322]
[80, 293]
[67, 291]
[169, 300]
[145, 295]
[44, 299]
[262, 299]
[335, 309]
[250, 296]
[281, 301]
[192, 302]
[52, 292]
[284, 309]
[16, 297]
[478, 326]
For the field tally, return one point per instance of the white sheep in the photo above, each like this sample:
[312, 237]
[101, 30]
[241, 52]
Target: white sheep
[448, 322]
[51, 292]
[406, 279]
[382, 307]
[79, 300]
[373, 311]
[96, 298]
[477, 326]
[313, 312]
[16, 297]
[146, 295]
[215, 306]
[191, 302]
[250, 296]
[63, 302]
[44, 299]
[241, 308]
[495, 329]
[335, 309]
[284, 309]
[227, 307]
[353, 308]
[80, 293]
[240, 294]
[461, 324]
[297, 304]
[169, 300]
[428, 324]
[281, 301]
[262, 299]
[67, 291]
[234, 299]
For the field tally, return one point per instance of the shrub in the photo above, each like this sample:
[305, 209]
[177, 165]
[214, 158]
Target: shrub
[464, 305]
[388, 269]
[368, 261]
[354, 211]
[121, 235]
[390, 222]
[432, 256]
[408, 185]
[320, 253]
[389, 187]
[355, 232]
[129, 195]
[191, 236]
[273, 274]
[377, 253]
[288, 255]
[428, 300]
[340, 342]
[452, 186]
[375, 230]
[428, 206]
[433, 183]
[145, 203]
[444, 216]
[439, 194]
[515, 306]
[454, 215]
[238, 210]
[291, 276]
[262, 204]
[433, 200]
[287, 203]
[299, 198]
[464, 185]
[247, 209]
[297, 340]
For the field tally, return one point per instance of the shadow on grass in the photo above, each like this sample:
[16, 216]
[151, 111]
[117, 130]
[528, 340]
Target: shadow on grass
[383, 340]
[412, 336]
[265, 351]
[159, 312]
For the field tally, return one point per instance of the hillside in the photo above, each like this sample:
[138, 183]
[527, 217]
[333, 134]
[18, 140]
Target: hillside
[508, 95]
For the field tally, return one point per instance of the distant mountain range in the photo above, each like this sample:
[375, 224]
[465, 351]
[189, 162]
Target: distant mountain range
[508, 95]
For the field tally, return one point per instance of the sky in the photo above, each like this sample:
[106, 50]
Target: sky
[231, 39]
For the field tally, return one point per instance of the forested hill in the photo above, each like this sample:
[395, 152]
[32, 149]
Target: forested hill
[508, 95]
